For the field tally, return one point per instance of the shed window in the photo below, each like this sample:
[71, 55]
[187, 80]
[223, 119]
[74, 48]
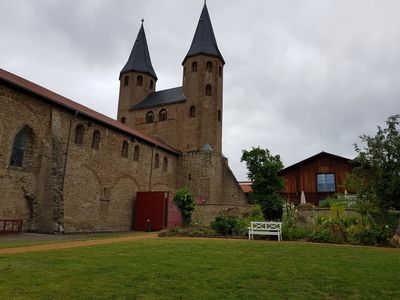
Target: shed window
[208, 90]
[79, 132]
[326, 182]
[126, 80]
[136, 153]
[139, 80]
[192, 111]
[194, 66]
[19, 148]
[125, 148]
[157, 161]
[209, 66]
[162, 115]
[150, 117]
[96, 140]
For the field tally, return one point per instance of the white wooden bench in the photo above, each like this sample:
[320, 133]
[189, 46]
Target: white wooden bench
[265, 228]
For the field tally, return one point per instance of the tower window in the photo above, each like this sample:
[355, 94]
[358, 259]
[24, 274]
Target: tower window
[136, 153]
[220, 71]
[157, 161]
[162, 115]
[165, 164]
[139, 80]
[192, 111]
[194, 66]
[123, 120]
[126, 80]
[96, 140]
[79, 132]
[151, 84]
[209, 66]
[184, 71]
[219, 116]
[125, 148]
[21, 144]
[208, 90]
[150, 117]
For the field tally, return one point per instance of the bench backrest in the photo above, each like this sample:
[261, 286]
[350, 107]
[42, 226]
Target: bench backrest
[266, 226]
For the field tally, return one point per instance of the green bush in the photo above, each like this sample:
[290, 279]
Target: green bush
[184, 200]
[376, 235]
[228, 225]
[294, 233]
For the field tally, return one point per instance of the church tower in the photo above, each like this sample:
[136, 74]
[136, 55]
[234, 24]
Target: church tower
[137, 78]
[202, 85]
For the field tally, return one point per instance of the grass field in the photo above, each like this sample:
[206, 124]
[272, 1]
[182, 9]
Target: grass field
[170, 268]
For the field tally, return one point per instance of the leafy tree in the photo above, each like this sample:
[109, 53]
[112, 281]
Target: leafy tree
[378, 167]
[263, 171]
[184, 200]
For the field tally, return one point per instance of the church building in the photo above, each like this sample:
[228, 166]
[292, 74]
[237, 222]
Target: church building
[67, 168]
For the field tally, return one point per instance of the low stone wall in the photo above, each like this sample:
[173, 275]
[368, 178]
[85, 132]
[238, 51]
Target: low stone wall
[204, 214]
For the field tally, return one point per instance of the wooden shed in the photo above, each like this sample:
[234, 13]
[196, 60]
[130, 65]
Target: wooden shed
[319, 176]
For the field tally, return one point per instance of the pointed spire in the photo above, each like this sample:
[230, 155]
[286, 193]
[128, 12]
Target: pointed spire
[139, 60]
[204, 41]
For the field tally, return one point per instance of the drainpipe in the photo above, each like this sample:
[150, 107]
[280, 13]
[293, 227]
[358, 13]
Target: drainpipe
[151, 167]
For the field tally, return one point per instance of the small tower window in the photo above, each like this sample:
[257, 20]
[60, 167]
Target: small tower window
[209, 66]
[136, 153]
[165, 164]
[208, 90]
[219, 116]
[157, 161]
[139, 80]
[150, 117]
[126, 80]
[151, 84]
[184, 71]
[162, 115]
[22, 143]
[79, 132]
[194, 66]
[220, 71]
[192, 111]
[123, 120]
[125, 148]
[96, 140]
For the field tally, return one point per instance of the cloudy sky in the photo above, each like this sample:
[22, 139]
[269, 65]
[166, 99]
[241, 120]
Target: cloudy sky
[300, 76]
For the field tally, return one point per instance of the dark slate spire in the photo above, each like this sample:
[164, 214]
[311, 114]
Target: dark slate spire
[204, 41]
[139, 60]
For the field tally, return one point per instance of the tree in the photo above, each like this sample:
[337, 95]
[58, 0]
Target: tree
[263, 171]
[184, 200]
[378, 166]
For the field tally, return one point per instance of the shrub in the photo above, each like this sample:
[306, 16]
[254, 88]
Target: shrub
[184, 200]
[228, 225]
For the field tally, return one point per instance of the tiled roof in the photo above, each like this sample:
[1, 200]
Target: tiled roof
[204, 41]
[246, 186]
[69, 104]
[139, 59]
[163, 97]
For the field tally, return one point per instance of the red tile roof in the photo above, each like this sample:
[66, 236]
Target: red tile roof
[72, 105]
[246, 186]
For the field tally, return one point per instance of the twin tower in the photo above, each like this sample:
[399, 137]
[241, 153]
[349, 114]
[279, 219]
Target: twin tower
[189, 117]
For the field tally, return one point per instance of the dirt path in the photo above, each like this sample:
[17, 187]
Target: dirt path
[65, 245]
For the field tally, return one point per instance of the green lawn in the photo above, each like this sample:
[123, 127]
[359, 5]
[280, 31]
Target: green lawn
[169, 268]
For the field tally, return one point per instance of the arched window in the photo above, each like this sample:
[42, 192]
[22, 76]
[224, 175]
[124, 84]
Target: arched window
[150, 117]
[125, 148]
[194, 66]
[139, 80]
[219, 116]
[208, 90]
[22, 143]
[79, 132]
[157, 161]
[220, 71]
[151, 84]
[209, 66]
[136, 153]
[126, 80]
[162, 115]
[123, 120]
[96, 140]
[165, 164]
[192, 111]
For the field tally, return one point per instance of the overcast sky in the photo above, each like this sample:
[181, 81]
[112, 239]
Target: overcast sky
[300, 76]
